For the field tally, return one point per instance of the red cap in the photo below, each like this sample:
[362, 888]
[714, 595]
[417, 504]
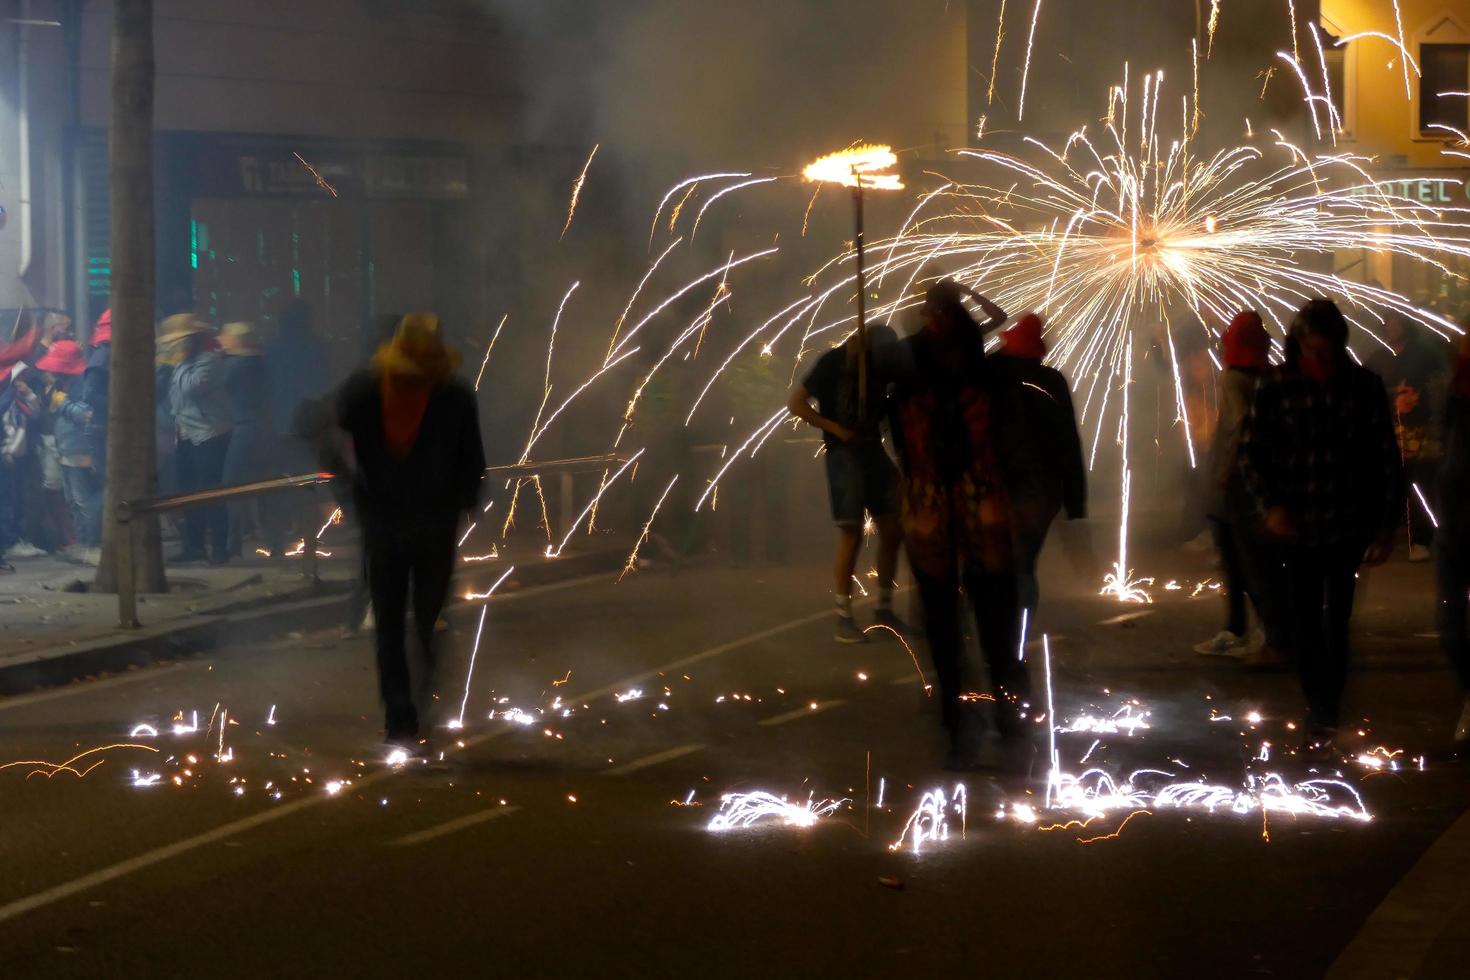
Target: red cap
[1023, 339]
[64, 357]
[1246, 342]
[102, 333]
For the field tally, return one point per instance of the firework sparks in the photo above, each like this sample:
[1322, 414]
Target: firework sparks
[490, 347]
[577, 190]
[741, 810]
[315, 175]
[865, 166]
[929, 823]
[632, 561]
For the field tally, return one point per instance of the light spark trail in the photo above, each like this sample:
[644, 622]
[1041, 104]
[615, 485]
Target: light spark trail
[632, 561]
[493, 338]
[577, 190]
[1026, 68]
[742, 810]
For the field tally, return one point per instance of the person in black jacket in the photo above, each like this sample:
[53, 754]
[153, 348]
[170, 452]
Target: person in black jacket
[1042, 449]
[1319, 457]
[1452, 543]
[415, 435]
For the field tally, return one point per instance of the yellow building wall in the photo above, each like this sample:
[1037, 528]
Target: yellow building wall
[1381, 119]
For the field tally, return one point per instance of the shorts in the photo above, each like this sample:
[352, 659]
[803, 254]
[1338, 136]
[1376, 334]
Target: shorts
[858, 481]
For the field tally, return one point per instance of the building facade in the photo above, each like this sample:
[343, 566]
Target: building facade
[1411, 119]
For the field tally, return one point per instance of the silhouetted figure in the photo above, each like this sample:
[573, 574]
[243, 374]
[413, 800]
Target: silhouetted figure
[1249, 561]
[1044, 469]
[1415, 374]
[201, 412]
[415, 434]
[250, 456]
[861, 478]
[1319, 458]
[1452, 543]
[956, 516]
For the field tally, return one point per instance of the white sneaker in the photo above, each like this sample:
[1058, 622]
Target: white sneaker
[1418, 552]
[1223, 644]
[367, 619]
[24, 549]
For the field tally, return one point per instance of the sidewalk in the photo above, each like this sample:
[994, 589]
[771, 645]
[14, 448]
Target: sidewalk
[54, 630]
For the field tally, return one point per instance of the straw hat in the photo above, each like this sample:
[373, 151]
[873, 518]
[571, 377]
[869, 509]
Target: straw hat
[180, 326]
[417, 350]
[240, 339]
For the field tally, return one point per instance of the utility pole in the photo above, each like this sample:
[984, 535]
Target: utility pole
[131, 453]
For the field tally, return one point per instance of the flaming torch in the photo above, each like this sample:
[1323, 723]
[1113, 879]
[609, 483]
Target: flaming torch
[858, 167]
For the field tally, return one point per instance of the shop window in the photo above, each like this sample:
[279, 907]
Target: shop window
[1443, 83]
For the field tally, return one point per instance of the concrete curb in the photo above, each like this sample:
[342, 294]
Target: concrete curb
[54, 666]
[193, 635]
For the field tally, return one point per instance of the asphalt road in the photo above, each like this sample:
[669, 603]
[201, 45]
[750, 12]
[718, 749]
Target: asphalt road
[569, 834]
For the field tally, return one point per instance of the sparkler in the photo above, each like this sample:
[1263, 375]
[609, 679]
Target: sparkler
[868, 165]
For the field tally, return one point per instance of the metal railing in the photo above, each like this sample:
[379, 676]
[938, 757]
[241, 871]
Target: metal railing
[128, 510]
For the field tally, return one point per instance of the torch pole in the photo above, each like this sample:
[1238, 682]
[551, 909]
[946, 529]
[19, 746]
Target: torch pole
[862, 302]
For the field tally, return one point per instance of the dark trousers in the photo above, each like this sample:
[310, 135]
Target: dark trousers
[397, 563]
[1028, 543]
[1422, 474]
[998, 618]
[200, 467]
[9, 505]
[1452, 565]
[1320, 581]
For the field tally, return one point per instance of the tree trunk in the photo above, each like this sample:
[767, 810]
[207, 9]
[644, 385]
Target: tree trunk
[131, 454]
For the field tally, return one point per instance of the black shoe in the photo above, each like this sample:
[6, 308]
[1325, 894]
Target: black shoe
[848, 632]
[6, 568]
[187, 555]
[888, 618]
[218, 559]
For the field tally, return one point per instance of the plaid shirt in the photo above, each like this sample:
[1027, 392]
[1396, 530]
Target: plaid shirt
[1326, 453]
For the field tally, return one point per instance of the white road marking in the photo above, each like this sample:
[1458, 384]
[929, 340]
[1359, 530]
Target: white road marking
[450, 826]
[147, 859]
[1125, 617]
[652, 760]
[806, 710]
[87, 687]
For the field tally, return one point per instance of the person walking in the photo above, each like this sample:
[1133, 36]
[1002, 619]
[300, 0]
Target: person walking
[861, 478]
[62, 367]
[956, 512]
[201, 411]
[91, 404]
[1320, 460]
[1415, 374]
[248, 458]
[1249, 561]
[415, 436]
[1042, 453]
[1452, 543]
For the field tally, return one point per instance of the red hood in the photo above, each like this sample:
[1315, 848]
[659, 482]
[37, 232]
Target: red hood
[1245, 341]
[1024, 338]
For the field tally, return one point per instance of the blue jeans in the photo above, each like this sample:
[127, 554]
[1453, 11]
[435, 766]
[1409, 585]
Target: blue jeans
[860, 478]
[83, 490]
